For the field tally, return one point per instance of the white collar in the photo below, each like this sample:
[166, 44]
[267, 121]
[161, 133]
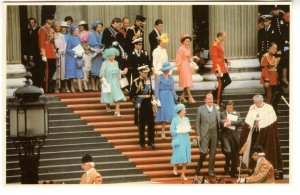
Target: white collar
[89, 171]
[260, 159]
[156, 32]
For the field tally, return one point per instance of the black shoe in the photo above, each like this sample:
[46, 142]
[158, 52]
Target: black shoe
[278, 175]
[153, 147]
[233, 175]
[226, 172]
[143, 146]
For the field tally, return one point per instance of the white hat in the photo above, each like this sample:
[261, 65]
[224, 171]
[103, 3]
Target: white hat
[82, 22]
[144, 68]
[64, 24]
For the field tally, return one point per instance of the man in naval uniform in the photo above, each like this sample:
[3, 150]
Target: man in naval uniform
[91, 176]
[263, 172]
[135, 32]
[142, 96]
[136, 59]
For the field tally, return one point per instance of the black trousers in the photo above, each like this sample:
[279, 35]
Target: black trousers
[37, 70]
[47, 73]
[230, 148]
[150, 132]
[223, 82]
[273, 94]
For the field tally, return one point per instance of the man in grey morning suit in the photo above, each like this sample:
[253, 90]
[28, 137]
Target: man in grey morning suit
[207, 127]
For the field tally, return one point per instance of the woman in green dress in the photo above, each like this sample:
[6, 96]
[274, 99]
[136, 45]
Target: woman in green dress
[110, 74]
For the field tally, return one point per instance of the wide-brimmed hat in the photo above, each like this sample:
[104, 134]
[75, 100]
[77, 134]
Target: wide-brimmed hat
[95, 23]
[110, 52]
[166, 66]
[81, 22]
[74, 27]
[179, 107]
[185, 36]
[64, 24]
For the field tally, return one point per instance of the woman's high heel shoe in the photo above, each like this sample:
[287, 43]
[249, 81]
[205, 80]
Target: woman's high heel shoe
[192, 101]
[117, 114]
[163, 137]
[183, 178]
[175, 173]
[183, 100]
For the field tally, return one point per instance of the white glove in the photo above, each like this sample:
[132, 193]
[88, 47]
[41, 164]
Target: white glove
[44, 58]
[94, 55]
[103, 80]
[115, 43]
[286, 49]
[241, 180]
[158, 103]
[154, 102]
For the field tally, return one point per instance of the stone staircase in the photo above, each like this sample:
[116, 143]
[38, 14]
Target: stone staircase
[79, 124]
[122, 133]
[70, 138]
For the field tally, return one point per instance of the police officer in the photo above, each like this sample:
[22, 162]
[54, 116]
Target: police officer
[136, 59]
[135, 32]
[142, 95]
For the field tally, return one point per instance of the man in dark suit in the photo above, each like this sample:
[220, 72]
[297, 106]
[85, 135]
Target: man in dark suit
[135, 32]
[136, 59]
[155, 34]
[31, 50]
[230, 122]
[207, 129]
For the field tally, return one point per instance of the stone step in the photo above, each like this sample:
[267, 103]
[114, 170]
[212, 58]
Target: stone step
[71, 160]
[60, 110]
[63, 141]
[72, 128]
[69, 122]
[72, 134]
[71, 153]
[63, 116]
[68, 147]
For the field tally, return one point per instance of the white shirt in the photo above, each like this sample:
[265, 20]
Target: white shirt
[158, 35]
[210, 108]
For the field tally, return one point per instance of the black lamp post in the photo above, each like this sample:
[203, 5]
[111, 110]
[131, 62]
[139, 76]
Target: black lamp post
[28, 127]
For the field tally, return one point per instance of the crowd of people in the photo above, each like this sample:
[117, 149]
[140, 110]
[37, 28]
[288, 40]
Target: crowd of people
[113, 60]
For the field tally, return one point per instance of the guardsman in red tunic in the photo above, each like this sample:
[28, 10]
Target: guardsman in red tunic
[219, 66]
[269, 75]
[47, 50]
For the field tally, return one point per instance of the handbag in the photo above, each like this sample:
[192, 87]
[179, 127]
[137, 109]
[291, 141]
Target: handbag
[124, 82]
[80, 63]
[175, 143]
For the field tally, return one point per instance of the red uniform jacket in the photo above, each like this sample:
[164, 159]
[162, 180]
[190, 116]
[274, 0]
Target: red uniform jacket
[217, 54]
[269, 70]
[46, 42]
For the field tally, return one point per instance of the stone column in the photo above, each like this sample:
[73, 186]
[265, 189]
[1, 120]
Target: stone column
[13, 37]
[35, 11]
[239, 22]
[177, 19]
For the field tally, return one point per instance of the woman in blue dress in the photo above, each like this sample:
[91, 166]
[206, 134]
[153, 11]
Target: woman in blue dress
[180, 129]
[73, 72]
[166, 96]
[110, 74]
[94, 42]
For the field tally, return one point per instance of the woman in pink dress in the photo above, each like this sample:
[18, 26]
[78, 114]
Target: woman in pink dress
[183, 59]
[84, 33]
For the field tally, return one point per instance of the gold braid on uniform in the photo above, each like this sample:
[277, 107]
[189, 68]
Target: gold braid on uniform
[272, 63]
[139, 86]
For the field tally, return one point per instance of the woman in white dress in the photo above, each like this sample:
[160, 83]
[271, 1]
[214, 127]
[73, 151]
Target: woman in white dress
[60, 45]
[160, 55]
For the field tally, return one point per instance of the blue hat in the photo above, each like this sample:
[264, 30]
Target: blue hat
[179, 107]
[166, 66]
[74, 27]
[109, 52]
[95, 22]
